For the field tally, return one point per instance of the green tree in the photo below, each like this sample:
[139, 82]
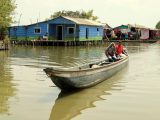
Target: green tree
[76, 14]
[7, 8]
[158, 25]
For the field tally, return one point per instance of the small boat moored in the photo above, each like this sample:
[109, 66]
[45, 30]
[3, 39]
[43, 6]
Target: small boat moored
[86, 75]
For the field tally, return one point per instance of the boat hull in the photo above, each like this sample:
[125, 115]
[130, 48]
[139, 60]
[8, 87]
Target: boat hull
[85, 78]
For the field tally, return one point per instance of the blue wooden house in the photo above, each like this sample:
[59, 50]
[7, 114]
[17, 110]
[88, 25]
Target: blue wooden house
[61, 28]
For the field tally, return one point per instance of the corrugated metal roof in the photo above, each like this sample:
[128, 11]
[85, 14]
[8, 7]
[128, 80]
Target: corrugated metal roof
[79, 21]
[82, 21]
[106, 26]
[122, 27]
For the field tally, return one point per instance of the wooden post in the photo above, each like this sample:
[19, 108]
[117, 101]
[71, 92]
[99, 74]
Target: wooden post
[75, 32]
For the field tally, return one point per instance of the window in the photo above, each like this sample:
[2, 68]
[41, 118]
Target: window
[70, 30]
[97, 29]
[37, 30]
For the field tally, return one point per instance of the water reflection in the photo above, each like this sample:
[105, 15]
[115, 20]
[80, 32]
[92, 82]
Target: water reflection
[55, 56]
[7, 89]
[69, 105]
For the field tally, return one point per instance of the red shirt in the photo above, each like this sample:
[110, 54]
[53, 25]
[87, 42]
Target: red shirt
[119, 49]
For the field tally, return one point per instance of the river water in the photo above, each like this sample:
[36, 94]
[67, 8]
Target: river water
[26, 93]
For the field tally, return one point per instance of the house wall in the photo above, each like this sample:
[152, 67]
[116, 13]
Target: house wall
[31, 35]
[66, 35]
[94, 33]
[144, 34]
[17, 33]
[27, 32]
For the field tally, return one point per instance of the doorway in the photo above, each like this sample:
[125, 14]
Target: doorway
[87, 32]
[60, 32]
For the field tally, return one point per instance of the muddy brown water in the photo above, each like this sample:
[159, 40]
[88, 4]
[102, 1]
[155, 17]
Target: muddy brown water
[26, 93]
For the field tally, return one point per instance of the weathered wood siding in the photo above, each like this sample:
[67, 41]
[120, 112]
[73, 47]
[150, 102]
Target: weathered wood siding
[94, 33]
[17, 33]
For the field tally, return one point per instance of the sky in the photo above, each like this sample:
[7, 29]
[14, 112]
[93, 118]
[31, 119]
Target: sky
[113, 12]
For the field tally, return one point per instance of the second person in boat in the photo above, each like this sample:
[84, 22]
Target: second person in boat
[120, 50]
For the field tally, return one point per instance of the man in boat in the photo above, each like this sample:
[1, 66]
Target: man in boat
[120, 50]
[110, 52]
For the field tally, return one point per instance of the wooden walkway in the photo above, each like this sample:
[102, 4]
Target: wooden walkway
[56, 43]
[73, 43]
[143, 41]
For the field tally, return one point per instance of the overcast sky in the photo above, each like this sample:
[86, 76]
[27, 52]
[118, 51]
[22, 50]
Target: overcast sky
[113, 12]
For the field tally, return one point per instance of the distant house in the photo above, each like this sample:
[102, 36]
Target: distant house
[61, 28]
[121, 31]
[107, 31]
[130, 31]
[122, 28]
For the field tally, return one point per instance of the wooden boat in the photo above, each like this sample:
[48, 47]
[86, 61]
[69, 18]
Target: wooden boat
[85, 76]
